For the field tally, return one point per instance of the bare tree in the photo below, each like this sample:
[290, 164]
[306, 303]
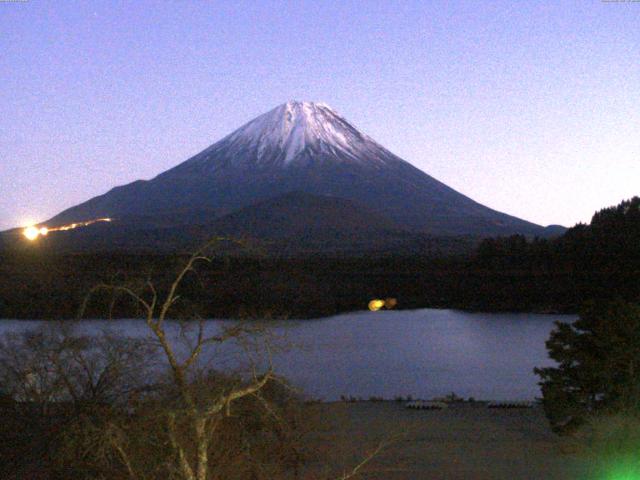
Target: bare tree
[188, 425]
[56, 380]
[203, 413]
[54, 364]
[118, 417]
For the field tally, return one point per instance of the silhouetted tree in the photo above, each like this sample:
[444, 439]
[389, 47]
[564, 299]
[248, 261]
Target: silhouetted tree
[598, 369]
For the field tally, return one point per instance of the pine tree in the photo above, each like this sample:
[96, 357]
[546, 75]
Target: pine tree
[598, 365]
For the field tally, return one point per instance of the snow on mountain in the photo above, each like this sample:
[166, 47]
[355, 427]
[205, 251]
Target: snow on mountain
[290, 133]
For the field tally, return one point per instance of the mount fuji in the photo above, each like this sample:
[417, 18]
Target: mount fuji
[308, 149]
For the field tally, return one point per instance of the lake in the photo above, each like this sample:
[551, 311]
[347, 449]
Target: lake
[423, 353]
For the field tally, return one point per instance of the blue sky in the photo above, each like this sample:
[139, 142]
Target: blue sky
[529, 107]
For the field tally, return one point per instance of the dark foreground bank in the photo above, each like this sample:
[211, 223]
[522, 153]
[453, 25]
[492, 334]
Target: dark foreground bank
[458, 443]
[461, 442]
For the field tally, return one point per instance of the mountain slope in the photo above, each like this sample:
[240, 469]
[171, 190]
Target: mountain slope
[300, 223]
[295, 224]
[304, 147]
[297, 215]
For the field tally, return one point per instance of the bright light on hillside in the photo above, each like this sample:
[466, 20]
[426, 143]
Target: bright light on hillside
[31, 233]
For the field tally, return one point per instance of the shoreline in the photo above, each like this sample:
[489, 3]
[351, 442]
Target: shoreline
[310, 317]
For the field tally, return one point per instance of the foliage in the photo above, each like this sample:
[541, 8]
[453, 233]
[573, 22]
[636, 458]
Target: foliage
[598, 370]
[599, 261]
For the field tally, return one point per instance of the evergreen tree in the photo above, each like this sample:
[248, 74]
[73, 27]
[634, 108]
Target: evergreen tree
[598, 365]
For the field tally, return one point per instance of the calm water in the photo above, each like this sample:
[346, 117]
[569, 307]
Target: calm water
[423, 353]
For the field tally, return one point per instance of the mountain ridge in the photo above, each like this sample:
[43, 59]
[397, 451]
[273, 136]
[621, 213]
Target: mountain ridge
[305, 147]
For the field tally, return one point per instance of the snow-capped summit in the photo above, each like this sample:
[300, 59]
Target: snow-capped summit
[294, 132]
[294, 126]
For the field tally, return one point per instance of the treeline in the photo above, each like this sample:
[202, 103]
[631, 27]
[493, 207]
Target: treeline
[599, 261]
[596, 261]
[41, 286]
